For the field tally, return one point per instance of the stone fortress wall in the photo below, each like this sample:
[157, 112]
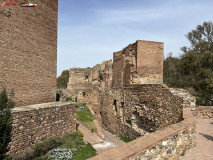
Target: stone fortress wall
[35, 123]
[128, 94]
[28, 50]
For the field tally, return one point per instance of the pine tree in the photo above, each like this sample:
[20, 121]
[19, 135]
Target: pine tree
[6, 104]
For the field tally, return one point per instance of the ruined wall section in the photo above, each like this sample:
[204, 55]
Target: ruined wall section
[110, 106]
[28, 50]
[150, 107]
[188, 99]
[85, 84]
[124, 67]
[137, 110]
[138, 63]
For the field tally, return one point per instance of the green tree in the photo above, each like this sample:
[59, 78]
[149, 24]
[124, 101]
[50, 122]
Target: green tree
[6, 104]
[197, 62]
[194, 68]
[63, 79]
[170, 71]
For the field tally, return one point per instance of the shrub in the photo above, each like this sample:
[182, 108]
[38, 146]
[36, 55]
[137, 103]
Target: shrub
[45, 146]
[6, 104]
[39, 149]
[125, 139]
[69, 99]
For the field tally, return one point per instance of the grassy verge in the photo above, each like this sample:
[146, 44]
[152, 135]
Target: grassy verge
[85, 116]
[80, 149]
[125, 139]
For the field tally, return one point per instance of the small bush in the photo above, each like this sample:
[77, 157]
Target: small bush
[28, 154]
[6, 104]
[125, 139]
[69, 99]
[44, 147]
[38, 150]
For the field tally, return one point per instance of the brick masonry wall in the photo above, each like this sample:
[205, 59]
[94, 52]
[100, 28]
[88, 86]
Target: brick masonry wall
[138, 110]
[28, 50]
[36, 123]
[171, 142]
[138, 63]
[117, 70]
[150, 62]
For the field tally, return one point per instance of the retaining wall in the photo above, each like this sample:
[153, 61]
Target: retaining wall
[204, 112]
[171, 142]
[36, 123]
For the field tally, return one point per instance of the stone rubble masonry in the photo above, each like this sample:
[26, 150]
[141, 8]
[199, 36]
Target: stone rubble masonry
[171, 142]
[137, 110]
[188, 99]
[204, 112]
[36, 123]
[28, 50]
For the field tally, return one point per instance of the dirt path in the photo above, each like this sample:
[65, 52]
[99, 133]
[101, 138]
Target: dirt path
[99, 144]
[89, 136]
[204, 148]
[102, 140]
[110, 142]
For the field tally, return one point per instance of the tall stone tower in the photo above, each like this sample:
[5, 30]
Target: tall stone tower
[28, 50]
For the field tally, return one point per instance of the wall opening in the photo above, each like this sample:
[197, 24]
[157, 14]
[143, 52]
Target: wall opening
[122, 104]
[115, 104]
[58, 96]
[101, 77]
[84, 93]
[86, 77]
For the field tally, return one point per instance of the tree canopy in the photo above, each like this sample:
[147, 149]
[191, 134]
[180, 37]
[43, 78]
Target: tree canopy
[63, 79]
[193, 70]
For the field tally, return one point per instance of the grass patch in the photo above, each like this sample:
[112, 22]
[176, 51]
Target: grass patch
[125, 139]
[85, 116]
[68, 99]
[81, 150]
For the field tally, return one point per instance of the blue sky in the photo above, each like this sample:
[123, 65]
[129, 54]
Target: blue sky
[89, 31]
